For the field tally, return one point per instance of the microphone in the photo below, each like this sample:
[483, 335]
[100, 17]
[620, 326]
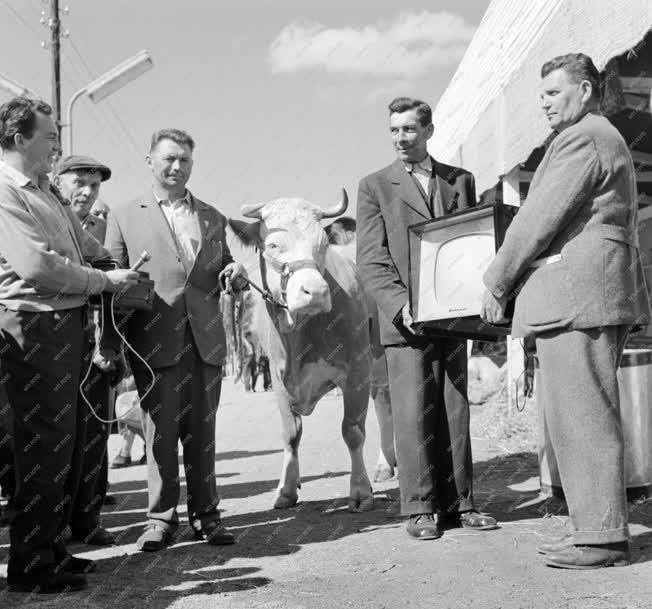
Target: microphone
[144, 257]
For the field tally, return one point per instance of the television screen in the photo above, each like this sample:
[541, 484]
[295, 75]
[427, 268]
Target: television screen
[448, 257]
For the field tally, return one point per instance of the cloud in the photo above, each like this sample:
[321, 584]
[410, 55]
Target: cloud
[412, 45]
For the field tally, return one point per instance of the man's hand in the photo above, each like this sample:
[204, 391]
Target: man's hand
[407, 318]
[493, 309]
[232, 276]
[105, 358]
[121, 280]
[109, 361]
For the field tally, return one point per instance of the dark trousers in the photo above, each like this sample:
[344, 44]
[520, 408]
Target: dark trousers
[252, 369]
[581, 409]
[93, 478]
[40, 364]
[427, 387]
[181, 406]
[7, 469]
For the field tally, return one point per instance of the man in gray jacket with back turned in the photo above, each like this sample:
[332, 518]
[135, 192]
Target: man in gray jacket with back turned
[571, 258]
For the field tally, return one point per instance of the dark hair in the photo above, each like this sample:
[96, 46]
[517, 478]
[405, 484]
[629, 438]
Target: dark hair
[579, 67]
[403, 104]
[176, 135]
[345, 223]
[18, 115]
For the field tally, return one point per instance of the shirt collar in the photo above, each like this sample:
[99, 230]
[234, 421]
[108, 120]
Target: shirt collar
[21, 179]
[187, 199]
[425, 165]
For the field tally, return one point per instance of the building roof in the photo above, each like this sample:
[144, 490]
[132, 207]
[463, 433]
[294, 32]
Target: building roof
[489, 119]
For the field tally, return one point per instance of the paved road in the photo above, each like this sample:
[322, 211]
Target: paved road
[319, 556]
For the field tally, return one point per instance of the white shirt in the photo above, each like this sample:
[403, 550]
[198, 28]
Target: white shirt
[183, 221]
[422, 171]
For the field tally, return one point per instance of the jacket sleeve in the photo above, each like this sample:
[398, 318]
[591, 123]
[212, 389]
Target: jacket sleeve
[26, 250]
[115, 243]
[92, 249]
[375, 264]
[570, 175]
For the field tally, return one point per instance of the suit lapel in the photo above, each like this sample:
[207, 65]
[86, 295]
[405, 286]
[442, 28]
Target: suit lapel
[158, 222]
[408, 191]
[446, 195]
[204, 219]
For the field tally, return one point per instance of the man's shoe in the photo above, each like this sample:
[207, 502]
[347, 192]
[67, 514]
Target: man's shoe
[120, 461]
[154, 538]
[591, 557]
[97, 537]
[48, 582]
[424, 526]
[553, 547]
[72, 564]
[215, 534]
[110, 500]
[477, 521]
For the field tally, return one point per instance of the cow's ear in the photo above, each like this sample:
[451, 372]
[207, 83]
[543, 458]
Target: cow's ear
[248, 233]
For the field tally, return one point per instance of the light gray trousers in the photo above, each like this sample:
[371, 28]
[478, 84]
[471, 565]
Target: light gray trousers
[580, 400]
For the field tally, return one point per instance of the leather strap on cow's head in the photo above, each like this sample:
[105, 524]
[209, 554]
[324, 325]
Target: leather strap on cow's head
[285, 270]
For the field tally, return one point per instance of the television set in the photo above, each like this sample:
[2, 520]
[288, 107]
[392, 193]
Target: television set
[448, 257]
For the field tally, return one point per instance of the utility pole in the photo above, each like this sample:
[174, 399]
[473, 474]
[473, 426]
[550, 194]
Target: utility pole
[55, 27]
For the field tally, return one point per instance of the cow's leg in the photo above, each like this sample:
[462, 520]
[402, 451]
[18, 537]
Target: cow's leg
[356, 399]
[387, 453]
[287, 492]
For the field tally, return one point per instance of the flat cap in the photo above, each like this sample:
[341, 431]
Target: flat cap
[76, 161]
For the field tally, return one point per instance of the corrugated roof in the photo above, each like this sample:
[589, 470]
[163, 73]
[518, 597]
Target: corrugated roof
[489, 119]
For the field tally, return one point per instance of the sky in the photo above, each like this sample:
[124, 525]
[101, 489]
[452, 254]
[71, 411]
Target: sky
[283, 97]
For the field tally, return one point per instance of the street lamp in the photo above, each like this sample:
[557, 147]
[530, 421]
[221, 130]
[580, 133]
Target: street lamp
[110, 82]
[15, 88]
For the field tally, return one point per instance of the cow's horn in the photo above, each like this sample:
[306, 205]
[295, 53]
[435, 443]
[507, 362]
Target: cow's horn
[339, 209]
[253, 210]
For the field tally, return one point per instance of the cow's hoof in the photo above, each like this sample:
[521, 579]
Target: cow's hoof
[283, 502]
[383, 473]
[361, 503]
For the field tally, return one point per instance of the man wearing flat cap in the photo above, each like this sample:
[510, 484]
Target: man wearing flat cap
[78, 179]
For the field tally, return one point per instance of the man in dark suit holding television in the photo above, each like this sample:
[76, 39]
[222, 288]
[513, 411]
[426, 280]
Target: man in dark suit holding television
[571, 258]
[427, 377]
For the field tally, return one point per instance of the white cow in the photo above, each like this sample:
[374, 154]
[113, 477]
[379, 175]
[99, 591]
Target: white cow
[315, 331]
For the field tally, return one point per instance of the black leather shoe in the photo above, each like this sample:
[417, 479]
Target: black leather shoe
[553, 547]
[120, 461]
[73, 564]
[154, 538]
[47, 582]
[97, 537]
[214, 533]
[110, 500]
[424, 526]
[591, 557]
[477, 521]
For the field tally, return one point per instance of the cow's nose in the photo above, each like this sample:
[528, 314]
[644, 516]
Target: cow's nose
[315, 291]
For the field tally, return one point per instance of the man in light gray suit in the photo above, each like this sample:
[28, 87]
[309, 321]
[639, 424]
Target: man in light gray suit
[571, 259]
